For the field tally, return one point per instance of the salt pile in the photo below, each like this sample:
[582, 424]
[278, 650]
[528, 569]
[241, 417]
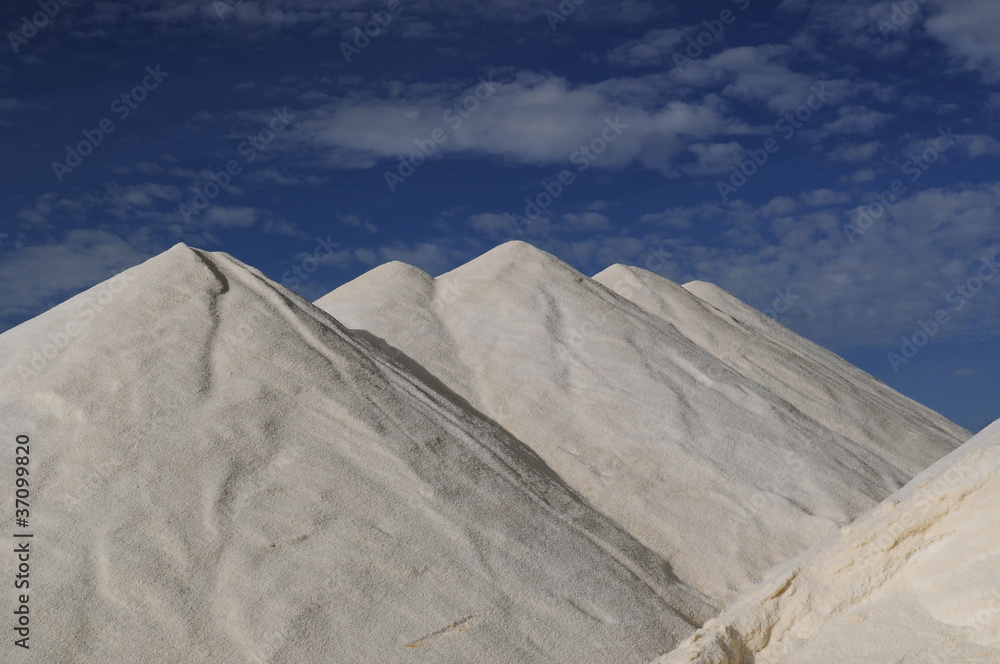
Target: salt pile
[660, 413]
[817, 382]
[914, 580]
[221, 473]
[510, 463]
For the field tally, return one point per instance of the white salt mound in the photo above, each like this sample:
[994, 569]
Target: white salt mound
[510, 463]
[817, 382]
[914, 581]
[710, 435]
[220, 472]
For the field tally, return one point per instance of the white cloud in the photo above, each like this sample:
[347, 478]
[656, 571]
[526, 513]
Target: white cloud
[139, 201]
[861, 176]
[491, 223]
[36, 277]
[929, 242]
[977, 145]
[679, 217]
[587, 221]
[823, 197]
[779, 206]
[52, 209]
[532, 119]
[855, 24]
[855, 152]
[274, 176]
[856, 120]
[885, 28]
[230, 217]
[150, 209]
[651, 49]
[850, 294]
[357, 222]
[755, 74]
[345, 14]
[713, 158]
[968, 28]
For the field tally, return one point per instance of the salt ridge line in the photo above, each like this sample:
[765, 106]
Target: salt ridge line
[563, 504]
[273, 436]
[506, 343]
[822, 385]
[911, 580]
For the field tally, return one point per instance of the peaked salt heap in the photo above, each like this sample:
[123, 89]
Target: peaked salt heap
[719, 466]
[220, 472]
[914, 580]
[831, 391]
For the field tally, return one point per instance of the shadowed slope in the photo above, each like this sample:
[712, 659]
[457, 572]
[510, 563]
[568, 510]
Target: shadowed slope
[915, 580]
[717, 473]
[221, 472]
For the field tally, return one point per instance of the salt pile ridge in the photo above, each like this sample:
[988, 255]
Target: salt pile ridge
[724, 462]
[512, 462]
[822, 385]
[222, 473]
[916, 580]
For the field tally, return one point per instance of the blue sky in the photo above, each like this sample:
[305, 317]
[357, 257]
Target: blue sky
[833, 163]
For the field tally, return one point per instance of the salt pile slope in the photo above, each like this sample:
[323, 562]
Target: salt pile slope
[915, 581]
[817, 382]
[220, 472]
[716, 473]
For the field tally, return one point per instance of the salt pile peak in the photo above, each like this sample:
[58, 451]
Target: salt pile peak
[716, 471]
[817, 382]
[225, 473]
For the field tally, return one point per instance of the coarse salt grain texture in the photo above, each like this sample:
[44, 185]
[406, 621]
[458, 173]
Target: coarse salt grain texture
[220, 472]
[653, 405]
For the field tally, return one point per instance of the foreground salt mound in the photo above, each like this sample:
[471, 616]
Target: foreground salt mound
[222, 473]
[718, 473]
[917, 581]
[817, 382]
